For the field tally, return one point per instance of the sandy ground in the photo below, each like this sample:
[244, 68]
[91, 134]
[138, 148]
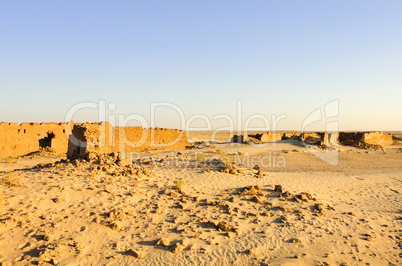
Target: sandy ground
[179, 209]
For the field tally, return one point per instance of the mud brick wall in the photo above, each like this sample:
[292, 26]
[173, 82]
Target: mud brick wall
[105, 138]
[268, 137]
[139, 139]
[378, 138]
[372, 138]
[21, 139]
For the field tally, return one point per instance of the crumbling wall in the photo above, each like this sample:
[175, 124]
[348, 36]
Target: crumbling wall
[78, 139]
[105, 138]
[360, 138]
[350, 138]
[238, 139]
[268, 136]
[89, 137]
[21, 139]
[288, 135]
[306, 135]
[329, 138]
[377, 138]
[140, 139]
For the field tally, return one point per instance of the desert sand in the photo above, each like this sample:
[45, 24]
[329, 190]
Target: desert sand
[187, 208]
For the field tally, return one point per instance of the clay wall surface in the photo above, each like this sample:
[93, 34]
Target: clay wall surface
[139, 139]
[372, 138]
[21, 139]
[305, 135]
[377, 138]
[270, 137]
[328, 139]
[91, 136]
[105, 138]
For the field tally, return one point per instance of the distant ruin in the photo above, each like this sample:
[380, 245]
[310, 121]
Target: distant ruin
[257, 138]
[369, 138]
[77, 140]
[329, 139]
[289, 135]
[238, 139]
[268, 136]
[324, 139]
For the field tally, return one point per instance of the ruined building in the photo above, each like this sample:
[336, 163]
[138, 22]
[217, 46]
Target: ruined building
[105, 138]
[370, 138]
[268, 136]
[78, 139]
[21, 139]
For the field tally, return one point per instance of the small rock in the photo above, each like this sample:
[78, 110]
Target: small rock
[278, 188]
[296, 241]
[257, 199]
[119, 215]
[259, 174]
[178, 249]
[123, 162]
[163, 242]
[48, 237]
[224, 226]
[287, 195]
[185, 242]
[250, 252]
[174, 195]
[137, 254]
[116, 226]
[230, 235]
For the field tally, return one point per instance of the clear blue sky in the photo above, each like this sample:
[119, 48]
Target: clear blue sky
[277, 57]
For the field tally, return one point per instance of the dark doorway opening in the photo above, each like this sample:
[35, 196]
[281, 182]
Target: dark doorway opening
[46, 141]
